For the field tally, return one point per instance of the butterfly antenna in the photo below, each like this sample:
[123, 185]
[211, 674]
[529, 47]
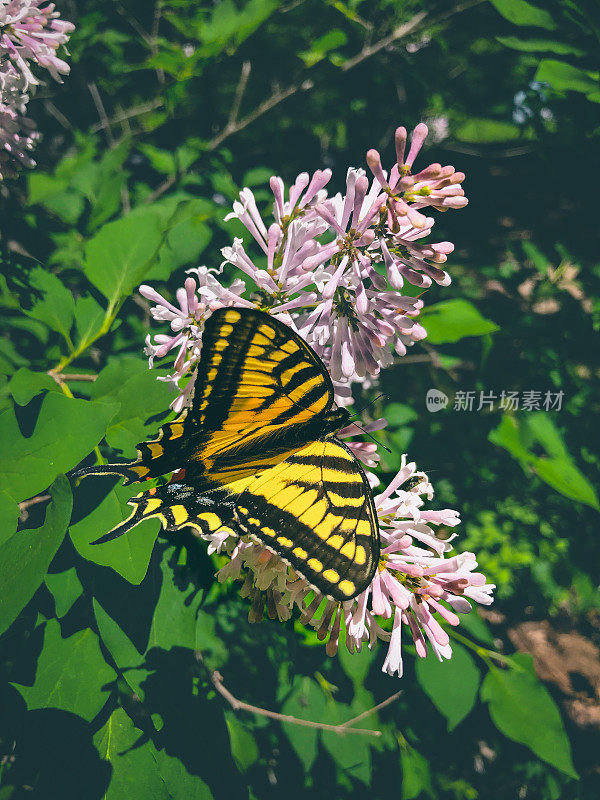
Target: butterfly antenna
[370, 435]
[370, 403]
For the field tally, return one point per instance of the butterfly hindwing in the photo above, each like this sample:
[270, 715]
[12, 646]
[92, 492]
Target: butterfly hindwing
[315, 509]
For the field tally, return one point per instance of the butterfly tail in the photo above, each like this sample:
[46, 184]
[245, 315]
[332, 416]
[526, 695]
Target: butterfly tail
[176, 506]
[130, 472]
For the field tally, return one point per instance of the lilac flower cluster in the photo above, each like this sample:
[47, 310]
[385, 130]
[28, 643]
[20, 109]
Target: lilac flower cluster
[29, 35]
[334, 268]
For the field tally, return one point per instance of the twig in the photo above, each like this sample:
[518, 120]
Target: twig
[61, 377]
[41, 498]
[239, 92]
[133, 112]
[111, 139]
[345, 727]
[277, 97]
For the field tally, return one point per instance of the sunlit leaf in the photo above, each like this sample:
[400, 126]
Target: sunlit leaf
[523, 710]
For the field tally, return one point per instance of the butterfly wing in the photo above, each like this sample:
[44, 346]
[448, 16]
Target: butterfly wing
[258, 383]
[315, 509]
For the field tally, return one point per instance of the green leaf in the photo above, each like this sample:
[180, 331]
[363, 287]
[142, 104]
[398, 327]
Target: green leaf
[9, 516]
[120, 254]
[416, 775]
[71, 674]
[305, 701]
[174, 623]
[352, 754]
[243, 744]
[476, 627]
[557, 468]
[522, 709]
[452, 320]
[521, 13]
[477, 129]
[452, 685]
[129, 555]
[26, 384]
[57, 307]
[125, 654]
[129, 381]
[65, 432]
[140, 770]
[539, 45]
[564, 77]
[26, 555]
[66, 588]
[399, 414]
[89, 317]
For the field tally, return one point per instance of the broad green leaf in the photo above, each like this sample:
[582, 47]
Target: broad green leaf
[26, 384]
[557, 468]
[66, 588]
[564, 476]
[119, 255]
[564, 77]
[174, 623]
[356, 665]
[57, 306]
[140, 770]
[452, 320]
[89, 317]
[477, 129]
[140, 394]
[26, 555]
[71, 674]
[399, 414]
[520, 12]
[125, 654]
[452, 685]
[539, 45]
[243, 744]
[129, 555]
[65, 432]
[305, 701]
[352, 752]
[9, 515]
[522, 709]
[416, 774]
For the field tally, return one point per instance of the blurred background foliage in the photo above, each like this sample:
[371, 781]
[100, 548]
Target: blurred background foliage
[170, 108]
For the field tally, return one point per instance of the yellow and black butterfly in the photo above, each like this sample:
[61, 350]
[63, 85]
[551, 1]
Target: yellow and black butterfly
[260, 457]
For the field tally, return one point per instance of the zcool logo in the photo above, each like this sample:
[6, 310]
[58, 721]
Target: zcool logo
[435, 400]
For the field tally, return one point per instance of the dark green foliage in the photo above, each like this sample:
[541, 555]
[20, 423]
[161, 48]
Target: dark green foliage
[108, 653]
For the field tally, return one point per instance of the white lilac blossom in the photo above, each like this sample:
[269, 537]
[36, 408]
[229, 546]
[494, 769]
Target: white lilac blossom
[31, 32]
[17, 131]
[419, 583]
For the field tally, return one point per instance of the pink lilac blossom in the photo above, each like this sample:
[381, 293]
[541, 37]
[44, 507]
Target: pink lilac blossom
[333, 268]
[418, 582]
[31, 31]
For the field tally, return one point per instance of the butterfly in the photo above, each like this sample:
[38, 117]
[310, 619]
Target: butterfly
[261, 458]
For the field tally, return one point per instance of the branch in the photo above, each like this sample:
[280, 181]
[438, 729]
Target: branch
[345, 727]
[398, 33]
[61, 377]
[125, 200]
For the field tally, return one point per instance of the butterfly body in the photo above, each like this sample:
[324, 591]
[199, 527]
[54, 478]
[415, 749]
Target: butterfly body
[260, 457]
